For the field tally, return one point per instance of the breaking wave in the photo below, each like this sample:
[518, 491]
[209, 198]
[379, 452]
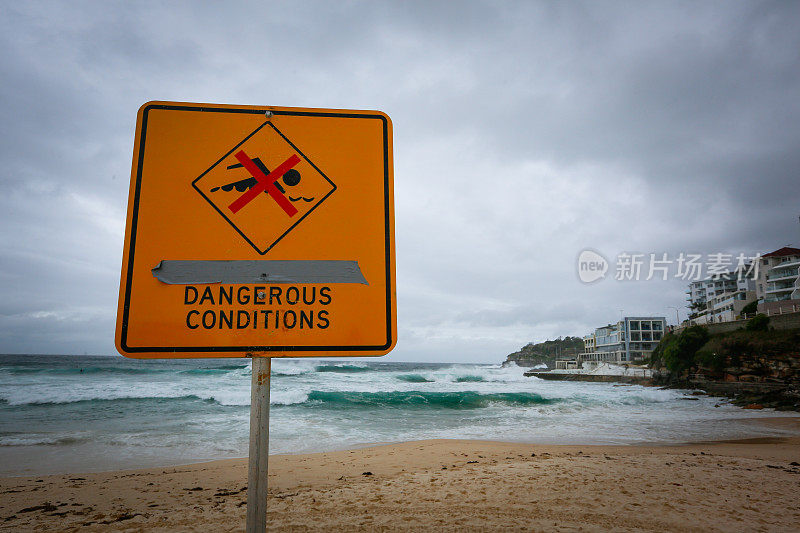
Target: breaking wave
[342, 369]
[422, 399]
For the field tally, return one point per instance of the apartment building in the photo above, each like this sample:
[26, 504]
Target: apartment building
[701, 292]
[778, 282]
[722, 298]
[726, 307]
[632, 339]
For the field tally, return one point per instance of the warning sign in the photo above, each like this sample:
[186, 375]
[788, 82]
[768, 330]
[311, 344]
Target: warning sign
[258, 230]
[291, 190]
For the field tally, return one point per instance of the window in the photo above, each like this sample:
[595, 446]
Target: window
[636, 336]
[647, 336]
[635, 324]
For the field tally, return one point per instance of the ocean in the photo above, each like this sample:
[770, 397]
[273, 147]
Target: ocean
[91, 413]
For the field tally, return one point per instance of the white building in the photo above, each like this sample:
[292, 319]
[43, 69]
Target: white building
[701, 292]
[631, 339]
[726, 307]
[778, 283]
[776, 287]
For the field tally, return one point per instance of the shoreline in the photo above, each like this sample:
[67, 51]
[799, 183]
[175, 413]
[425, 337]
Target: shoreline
[788, 422]
[440, 484]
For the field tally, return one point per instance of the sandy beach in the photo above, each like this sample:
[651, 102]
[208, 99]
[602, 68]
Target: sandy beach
[449, 485]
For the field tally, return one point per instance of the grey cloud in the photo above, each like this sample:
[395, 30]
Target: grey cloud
[524, 132]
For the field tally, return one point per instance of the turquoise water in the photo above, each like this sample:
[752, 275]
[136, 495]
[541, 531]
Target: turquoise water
[73, 414]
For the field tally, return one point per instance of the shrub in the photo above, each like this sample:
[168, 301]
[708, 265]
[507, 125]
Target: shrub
[678, 352]
[657, 357]
[693, 338]
[760, 322]
[708, 359]
[752, 307]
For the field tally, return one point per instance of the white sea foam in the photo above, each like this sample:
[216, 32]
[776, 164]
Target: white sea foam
[183, 411]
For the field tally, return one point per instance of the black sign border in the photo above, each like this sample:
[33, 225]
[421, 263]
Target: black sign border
[248, 349]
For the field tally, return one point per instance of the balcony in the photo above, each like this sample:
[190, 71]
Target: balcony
[788, 264]
[723, 303]
[778, 297]
[779, 290]
[782, 275]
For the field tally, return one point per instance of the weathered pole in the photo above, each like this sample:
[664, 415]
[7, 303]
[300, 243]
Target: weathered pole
[258, 465]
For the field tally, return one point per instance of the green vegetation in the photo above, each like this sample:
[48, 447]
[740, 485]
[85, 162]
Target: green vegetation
[750, 308]
[677, 352]
[696, 308]
[546, 352]
[743, 345]
[760, 322]
[752, 350]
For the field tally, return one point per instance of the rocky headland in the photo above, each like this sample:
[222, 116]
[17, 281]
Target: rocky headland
[546, 353]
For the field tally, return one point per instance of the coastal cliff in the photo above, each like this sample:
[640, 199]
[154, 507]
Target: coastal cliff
[755, 367]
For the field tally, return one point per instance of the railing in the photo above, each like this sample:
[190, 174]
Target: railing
[782, 310]
[780, 289]
[600, 356]
[781, 277]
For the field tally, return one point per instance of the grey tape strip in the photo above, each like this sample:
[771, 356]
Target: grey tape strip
[179, 272]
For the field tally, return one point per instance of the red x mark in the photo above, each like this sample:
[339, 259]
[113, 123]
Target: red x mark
[265, 183]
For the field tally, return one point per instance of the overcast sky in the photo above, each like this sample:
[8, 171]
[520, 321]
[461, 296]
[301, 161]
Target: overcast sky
[523, 134]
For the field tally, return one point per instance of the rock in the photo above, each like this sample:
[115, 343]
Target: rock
[753, 406]
[46, 506]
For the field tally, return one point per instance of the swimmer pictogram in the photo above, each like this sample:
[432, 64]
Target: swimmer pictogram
[266, 161]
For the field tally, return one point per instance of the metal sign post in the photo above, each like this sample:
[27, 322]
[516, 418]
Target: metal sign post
[258, 465]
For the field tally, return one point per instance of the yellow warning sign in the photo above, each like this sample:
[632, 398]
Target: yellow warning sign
[258, 230]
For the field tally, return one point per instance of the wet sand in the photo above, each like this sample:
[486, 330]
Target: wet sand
[441, 485]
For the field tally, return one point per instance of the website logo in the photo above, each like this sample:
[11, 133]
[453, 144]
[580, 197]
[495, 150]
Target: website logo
[591, 266]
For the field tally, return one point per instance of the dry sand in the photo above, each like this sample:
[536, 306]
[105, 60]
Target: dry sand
[440, 485]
